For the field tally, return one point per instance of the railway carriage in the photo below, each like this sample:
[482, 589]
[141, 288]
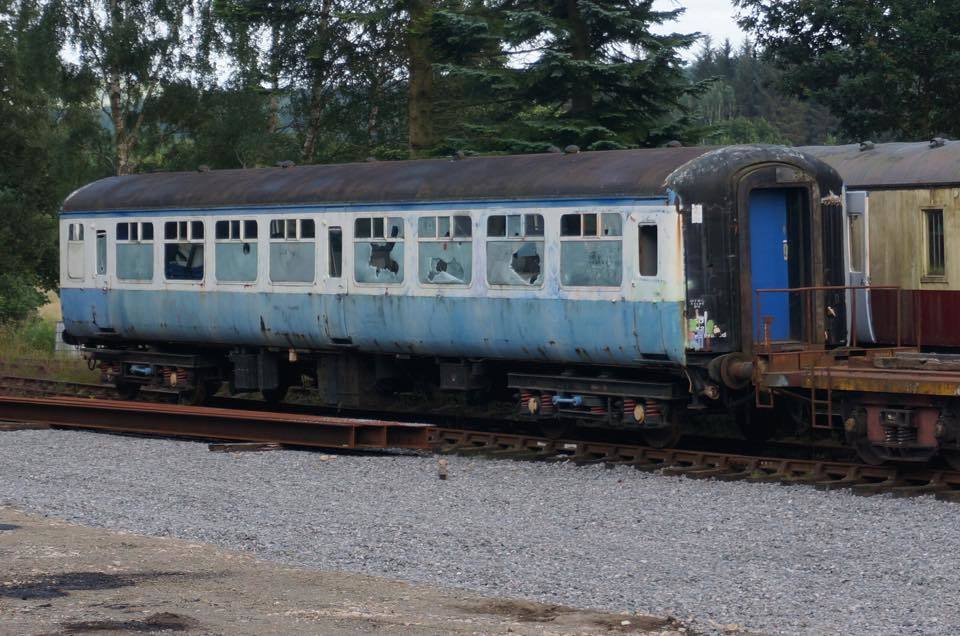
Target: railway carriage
[613, 289]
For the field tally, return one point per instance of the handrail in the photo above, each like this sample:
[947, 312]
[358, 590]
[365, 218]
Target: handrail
[807, 293]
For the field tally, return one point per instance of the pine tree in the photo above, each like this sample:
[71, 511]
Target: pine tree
[558, 72]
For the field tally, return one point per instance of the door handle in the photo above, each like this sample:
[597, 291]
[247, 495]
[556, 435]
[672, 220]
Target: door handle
[786, 250]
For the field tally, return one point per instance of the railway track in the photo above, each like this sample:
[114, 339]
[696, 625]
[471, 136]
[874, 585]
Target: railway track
[257, 429]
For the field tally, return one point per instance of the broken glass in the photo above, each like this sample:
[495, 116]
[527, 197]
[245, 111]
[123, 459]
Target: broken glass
[515, 263]
[378, 262]
[446, 262]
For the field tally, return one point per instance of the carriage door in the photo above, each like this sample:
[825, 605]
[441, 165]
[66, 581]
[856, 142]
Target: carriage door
[770, 260]
[334, 288]
[858, 264]
[100, 309]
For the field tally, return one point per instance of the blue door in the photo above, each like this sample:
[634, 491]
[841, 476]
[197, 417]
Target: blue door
[769, 260]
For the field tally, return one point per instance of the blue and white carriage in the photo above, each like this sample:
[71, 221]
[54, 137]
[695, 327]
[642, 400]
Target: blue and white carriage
[590, 284]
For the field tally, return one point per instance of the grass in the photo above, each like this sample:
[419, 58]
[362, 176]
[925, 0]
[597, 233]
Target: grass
[29, 349]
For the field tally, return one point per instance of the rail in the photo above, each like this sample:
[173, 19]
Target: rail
[215, 423]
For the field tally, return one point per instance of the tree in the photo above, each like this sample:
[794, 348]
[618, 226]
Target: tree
[743, 103]
[31, 78]
[585, 72]
[134, 47]
[885, 69]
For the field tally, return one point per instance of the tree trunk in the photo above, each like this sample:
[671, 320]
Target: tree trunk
[117, 116]
[582, 98]
[420, 97]
[317, 104]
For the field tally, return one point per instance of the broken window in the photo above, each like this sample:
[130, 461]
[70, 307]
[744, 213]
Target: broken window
[183, 251]
[647, 254]
[378, 250]
[135, 251]
[591, 250]
[236, 250]
[445, 250]
[75, 251]
[335, 252]
[515, 260]
[293, 257]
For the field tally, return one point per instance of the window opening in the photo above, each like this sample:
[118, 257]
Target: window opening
[516, 259]
[236, 250]
[101, 252]
[855, 221]
[293, 254]
[591, 249]
[936, 262]
[183, 251]
[647, 255]
[445, 259]
[378, 250]
[335, 251]
[135, 251]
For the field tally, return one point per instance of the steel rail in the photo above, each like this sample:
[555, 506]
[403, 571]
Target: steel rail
[899, 480]
[215, 423]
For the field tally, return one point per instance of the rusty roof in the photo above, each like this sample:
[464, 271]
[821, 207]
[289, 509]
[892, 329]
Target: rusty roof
[588, 174]
[893, 165]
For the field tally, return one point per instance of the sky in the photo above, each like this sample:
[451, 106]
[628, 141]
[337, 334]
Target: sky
[710, 17]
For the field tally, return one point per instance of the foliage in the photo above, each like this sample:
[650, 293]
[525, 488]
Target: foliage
[743, 103]
[539, 73]
[886, 69]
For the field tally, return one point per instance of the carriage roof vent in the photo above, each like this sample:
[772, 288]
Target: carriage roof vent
[867, 145]
[285, 164]
[572, 149]
[674, 143]
[203, 168]
[937, 142]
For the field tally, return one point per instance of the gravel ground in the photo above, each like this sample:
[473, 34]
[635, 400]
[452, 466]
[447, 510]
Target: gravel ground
[770, 558]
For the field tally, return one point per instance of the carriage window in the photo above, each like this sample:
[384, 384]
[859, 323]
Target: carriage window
[335, 251]
[517, 258]
[936, 263]
[647, 250]
[75, 253]
[293, 254]
[135, 251]
[101, 252]
[183, 251]
[378, 250]
[591, 251]
[236, 251]
[445, 250]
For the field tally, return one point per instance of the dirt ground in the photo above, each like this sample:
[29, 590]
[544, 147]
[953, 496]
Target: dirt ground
[59, 578]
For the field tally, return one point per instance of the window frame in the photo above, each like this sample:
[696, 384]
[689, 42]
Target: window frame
[595, 237]
[190, 224]
[117, 242]
[354, 239]
[523, 237]
[640, 225]
[271, 240]
[74, 230]
[929, 275]
[454, 237]
[243, 239]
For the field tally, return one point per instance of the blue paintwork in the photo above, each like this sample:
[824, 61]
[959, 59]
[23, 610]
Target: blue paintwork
[591, 331]
[768, 267]
[377, 207]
